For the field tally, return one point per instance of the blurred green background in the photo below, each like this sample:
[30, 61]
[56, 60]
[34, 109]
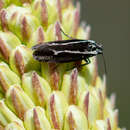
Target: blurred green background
[110, 20]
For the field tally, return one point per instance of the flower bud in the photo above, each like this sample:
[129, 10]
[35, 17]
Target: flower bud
[40, 10]
[35, 119]
[84, 34]
[14, 126]
[72, 15]
[111, 114]
[92, 106]
[21, 60]
[8, 41]
[75, 119]
[36, 88]
[6, 115]
[18, 101]
[37, 37]
[90, 72]
[20, 21]
[100, 125]
[7, 77]
[66, 3]
[43, 10]
[88, 31]
[81, 34]
[103, 125]
[53, 73]
[98, 95]
[56, 108]
[101, 85]
[54, 30]
[72, 86]
[76, 19]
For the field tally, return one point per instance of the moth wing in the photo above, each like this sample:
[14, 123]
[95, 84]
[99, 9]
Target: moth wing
[55, 42]
[37, 46]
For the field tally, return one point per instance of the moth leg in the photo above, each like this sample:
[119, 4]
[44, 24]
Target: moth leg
[87, 61]
[66, 34]
[81, 65]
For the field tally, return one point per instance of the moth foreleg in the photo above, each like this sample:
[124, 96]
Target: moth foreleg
[81, 65]
[87, 61]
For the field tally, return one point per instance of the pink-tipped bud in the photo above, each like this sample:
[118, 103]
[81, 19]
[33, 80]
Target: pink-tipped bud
[72, 86]
[36, 88]
[37, 37]
[75, 119]
[18, 101]
[56, 108]
[35, 119]
[21, 60]
[59, 10]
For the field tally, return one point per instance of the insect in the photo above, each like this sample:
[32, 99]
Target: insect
[67, 51]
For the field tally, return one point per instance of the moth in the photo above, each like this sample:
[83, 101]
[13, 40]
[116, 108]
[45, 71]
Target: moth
[65, 51]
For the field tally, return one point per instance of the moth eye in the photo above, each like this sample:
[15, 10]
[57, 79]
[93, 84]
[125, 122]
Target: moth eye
[90, 46]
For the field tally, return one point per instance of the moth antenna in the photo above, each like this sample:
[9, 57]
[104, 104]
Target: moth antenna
[65, 33]
[105, 67]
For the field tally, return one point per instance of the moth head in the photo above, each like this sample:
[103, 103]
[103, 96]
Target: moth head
[95, 47]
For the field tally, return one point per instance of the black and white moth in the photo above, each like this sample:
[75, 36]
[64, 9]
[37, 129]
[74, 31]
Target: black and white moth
[67, 51]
